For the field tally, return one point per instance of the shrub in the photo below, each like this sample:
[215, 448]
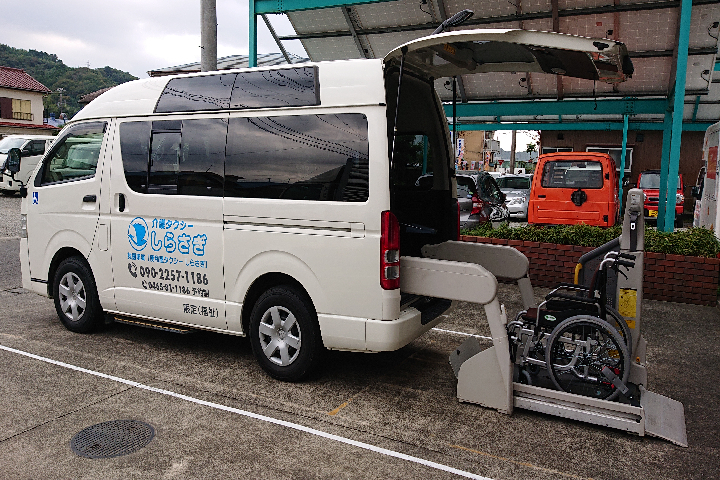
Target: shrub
[697, 242]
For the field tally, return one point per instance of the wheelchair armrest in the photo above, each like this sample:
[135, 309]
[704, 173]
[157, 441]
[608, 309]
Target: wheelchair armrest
[568, 286]
[574, 298]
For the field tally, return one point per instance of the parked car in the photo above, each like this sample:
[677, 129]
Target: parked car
[649, 182]
[492, 199]
[517, 193]
[472, 211]
[32, 148]
[574, 187]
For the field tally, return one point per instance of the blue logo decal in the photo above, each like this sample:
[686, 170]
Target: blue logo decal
[36, 198]
[138, 233]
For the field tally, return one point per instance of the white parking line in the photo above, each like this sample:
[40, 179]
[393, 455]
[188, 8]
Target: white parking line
[255, 416]
[462, 333]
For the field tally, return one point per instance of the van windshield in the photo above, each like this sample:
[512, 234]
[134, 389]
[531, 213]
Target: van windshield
[572, 174]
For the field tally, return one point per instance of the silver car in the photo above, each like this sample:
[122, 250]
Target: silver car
[517, 193]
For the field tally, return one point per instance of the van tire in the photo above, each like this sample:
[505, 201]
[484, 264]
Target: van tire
[284, 334]
[75, 294]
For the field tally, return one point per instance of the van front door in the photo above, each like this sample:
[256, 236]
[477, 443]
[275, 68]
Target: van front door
[167, 220]
[65, 205]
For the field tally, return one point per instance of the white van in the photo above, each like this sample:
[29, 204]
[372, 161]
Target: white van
[32, 148]
[268, 202]
[706, 189]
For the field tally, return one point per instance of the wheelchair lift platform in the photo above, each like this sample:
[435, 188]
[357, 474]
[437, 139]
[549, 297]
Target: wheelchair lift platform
[467, 272]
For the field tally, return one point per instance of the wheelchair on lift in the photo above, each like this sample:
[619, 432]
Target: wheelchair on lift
[574, 341]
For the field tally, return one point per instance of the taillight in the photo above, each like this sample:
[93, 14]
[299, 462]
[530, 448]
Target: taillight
[389, 251]
[477, 205]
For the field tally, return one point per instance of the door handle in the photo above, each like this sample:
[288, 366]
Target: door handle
[121, 202]
[89, 199]
[541, 196]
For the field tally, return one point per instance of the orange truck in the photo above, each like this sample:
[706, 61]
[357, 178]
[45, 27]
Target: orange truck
[571, 188]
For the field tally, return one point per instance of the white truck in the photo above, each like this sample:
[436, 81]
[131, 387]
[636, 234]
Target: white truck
[706, 189]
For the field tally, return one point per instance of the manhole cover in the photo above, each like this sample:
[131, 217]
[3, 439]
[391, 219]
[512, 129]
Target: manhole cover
[112, 439]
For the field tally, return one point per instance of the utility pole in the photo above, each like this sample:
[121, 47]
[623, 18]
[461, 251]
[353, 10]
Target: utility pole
[208, 35]
[512, 152]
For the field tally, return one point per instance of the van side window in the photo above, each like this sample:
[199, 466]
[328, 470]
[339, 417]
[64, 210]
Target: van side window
[174, 157]
[74, 156]
[303, 157]
[287, 87]
[572, 174]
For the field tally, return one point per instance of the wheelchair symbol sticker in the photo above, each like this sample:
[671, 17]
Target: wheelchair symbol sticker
[36, 198]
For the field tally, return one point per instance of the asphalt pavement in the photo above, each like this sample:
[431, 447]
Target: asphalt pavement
[215, 414]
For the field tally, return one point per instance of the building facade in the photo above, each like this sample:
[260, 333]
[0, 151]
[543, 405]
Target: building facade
[21, 103]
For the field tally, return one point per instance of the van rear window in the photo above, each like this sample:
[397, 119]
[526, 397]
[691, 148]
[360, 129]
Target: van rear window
[289, 87]
[572, 174]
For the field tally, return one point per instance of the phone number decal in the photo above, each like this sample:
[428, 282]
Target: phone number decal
[190, 279]
[175, 288]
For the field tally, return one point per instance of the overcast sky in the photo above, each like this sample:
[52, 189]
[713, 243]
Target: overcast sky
[132, 35]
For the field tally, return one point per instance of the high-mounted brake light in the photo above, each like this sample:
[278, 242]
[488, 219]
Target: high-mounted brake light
[389, 251]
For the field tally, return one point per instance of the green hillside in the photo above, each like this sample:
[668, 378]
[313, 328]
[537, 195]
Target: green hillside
[49, 70]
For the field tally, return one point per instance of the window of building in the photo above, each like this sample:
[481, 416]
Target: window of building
[75, 155]
[299, 157]
[616, 154]
[15, 109]
[556, 149]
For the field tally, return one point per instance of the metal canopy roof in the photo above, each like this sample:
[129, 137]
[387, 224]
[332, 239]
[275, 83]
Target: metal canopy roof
[673, 45]
[370, 29]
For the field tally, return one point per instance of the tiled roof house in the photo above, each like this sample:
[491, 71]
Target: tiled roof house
[21, 103]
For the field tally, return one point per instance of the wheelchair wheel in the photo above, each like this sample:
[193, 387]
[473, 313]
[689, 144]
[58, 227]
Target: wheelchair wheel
[578, 349]
[616, 320]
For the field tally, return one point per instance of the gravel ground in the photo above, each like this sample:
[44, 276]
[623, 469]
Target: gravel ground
[9, 216]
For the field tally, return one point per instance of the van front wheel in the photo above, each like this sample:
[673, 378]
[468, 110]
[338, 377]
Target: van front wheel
[284, 334]
[76, 299]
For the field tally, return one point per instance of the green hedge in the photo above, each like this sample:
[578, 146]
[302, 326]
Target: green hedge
[697, 242]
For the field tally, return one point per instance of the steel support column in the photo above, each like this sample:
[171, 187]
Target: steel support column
[252, 33]
[664, 163]
[622, 163]
[678, 107]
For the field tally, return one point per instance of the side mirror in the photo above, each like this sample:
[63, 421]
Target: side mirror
[626, 181]
[13, 161]
[695, 192]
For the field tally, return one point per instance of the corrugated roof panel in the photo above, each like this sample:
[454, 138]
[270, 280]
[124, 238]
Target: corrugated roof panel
[486, 8]
[568, 4]
[395, 13]
[696, 65]
[596, 26]
[701, 21]
[321, 49]
[487, 85]
[383, 44]
[532, 6]
[649, 30]
[322, 20]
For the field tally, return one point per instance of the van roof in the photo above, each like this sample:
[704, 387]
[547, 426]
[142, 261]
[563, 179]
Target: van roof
[343, 82]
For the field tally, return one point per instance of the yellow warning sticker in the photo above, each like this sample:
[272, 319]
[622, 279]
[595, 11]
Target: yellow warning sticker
[627, 304]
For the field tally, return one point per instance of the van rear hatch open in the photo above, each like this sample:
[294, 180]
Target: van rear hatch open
[422, 170]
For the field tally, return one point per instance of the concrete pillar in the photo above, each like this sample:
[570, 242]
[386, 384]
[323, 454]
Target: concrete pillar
[208, 35]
